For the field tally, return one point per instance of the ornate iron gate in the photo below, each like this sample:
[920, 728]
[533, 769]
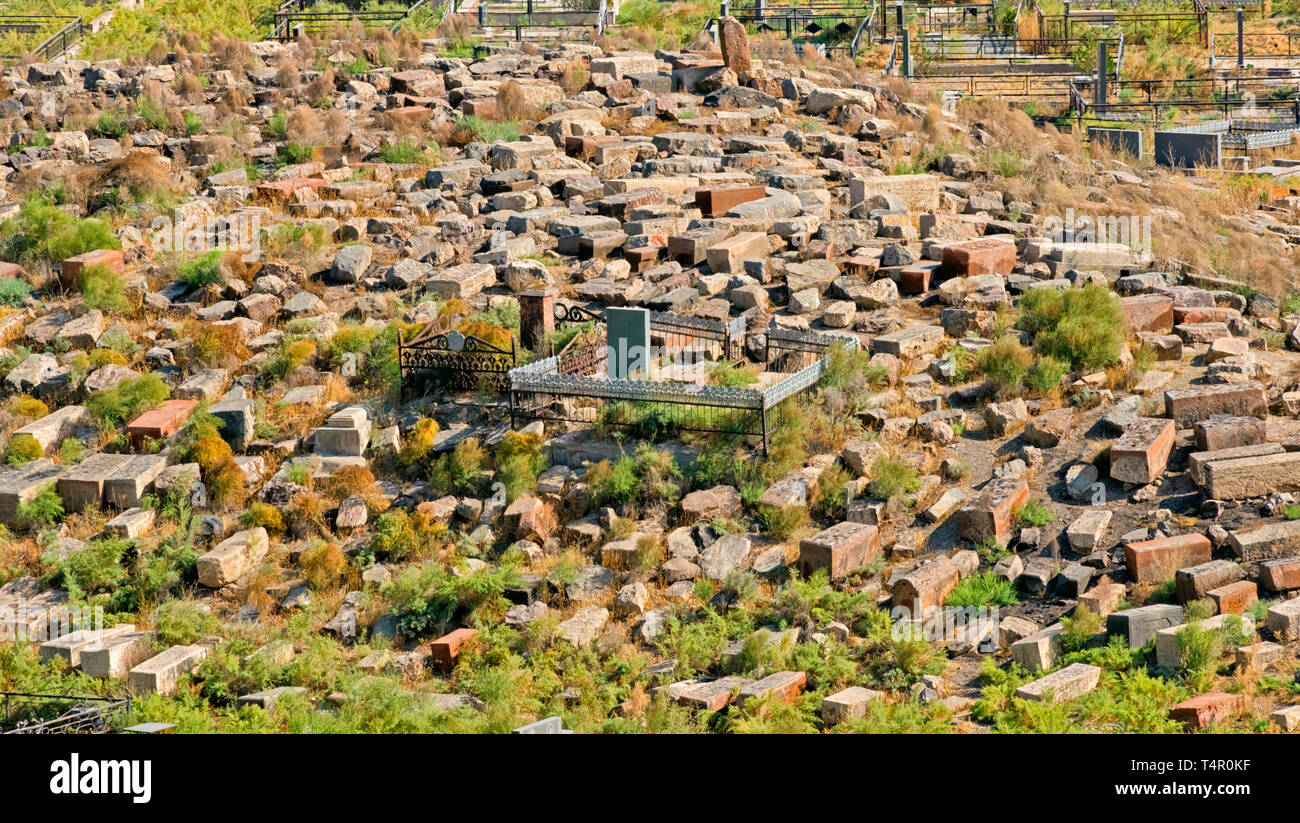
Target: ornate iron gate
[454, 361]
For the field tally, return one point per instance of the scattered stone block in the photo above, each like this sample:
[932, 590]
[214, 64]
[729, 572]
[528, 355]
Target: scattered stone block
[1153, 561]
[1140, 455]
[1199, 713]
[839, 549]
[847, 704]
[1141, 624]
[1075, 680]
[232, 557]
[161, 674]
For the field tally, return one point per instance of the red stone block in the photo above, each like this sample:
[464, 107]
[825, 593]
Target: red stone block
[642, 258]
[1148, 312]
[926, 586]
[1280, 575]
[411, 115]
[1203, 314]
[783, 686]
[981, 256]
[990, 513]
[71, 268]
[1153, 561]
[714, 695]
[839, 549]
[10, 269]
[279, 190]
[861, 267]
[620, 89]
[1234, 598]
[1140, 454]
[715, 201]
[447, 648]
[916, 279]
[479, 106]
[160, 423]
[1200, 712]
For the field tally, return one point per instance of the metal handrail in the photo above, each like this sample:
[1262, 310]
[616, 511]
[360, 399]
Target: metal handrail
[865, 25]
[893, 53]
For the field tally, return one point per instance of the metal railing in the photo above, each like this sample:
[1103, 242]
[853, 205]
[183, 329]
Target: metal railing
[60, 713]
[293, 16]
[864, 27]
[57, 44]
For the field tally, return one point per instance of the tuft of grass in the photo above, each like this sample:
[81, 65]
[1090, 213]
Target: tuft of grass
[14, 291]
[42, 231]
[1034, 513]
[127, 400]
[891, 477]
[982, 590]
[202, 271]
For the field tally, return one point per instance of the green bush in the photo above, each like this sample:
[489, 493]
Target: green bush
[1045, 377]
[111, 124]
[103, 289]
[43, 231]
[891, 477]
[614, 483]
[729, 374]
[23, 450]
[1005, 364]
[127, 400]
[152, 112]
[45, 509]
[193, 124]
[457, 472]
[14, 291]
[94, 569]
[1084, 327]
[202, 271]
[296, 153]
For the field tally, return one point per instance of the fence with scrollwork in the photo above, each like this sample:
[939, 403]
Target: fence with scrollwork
[556, 389]
[451, 360]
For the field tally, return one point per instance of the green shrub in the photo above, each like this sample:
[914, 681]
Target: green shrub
[1005, 364]
[127, 400]
[103, 289]
[1083, 326]
[1080, 628]
[783, 521]
[982, 590]
[202, 271]
[729, 374]
[295, 153]
[277, 125]
[1046, 375]
[891, 477]
[613, 484]
[457, 471]
[23, 450]
[182, 623]
[193, 124]
[71, 451]
[96, 568]
[110, 124]
[43, 231]
[45, 509]
[152, 112]
[14, 291]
